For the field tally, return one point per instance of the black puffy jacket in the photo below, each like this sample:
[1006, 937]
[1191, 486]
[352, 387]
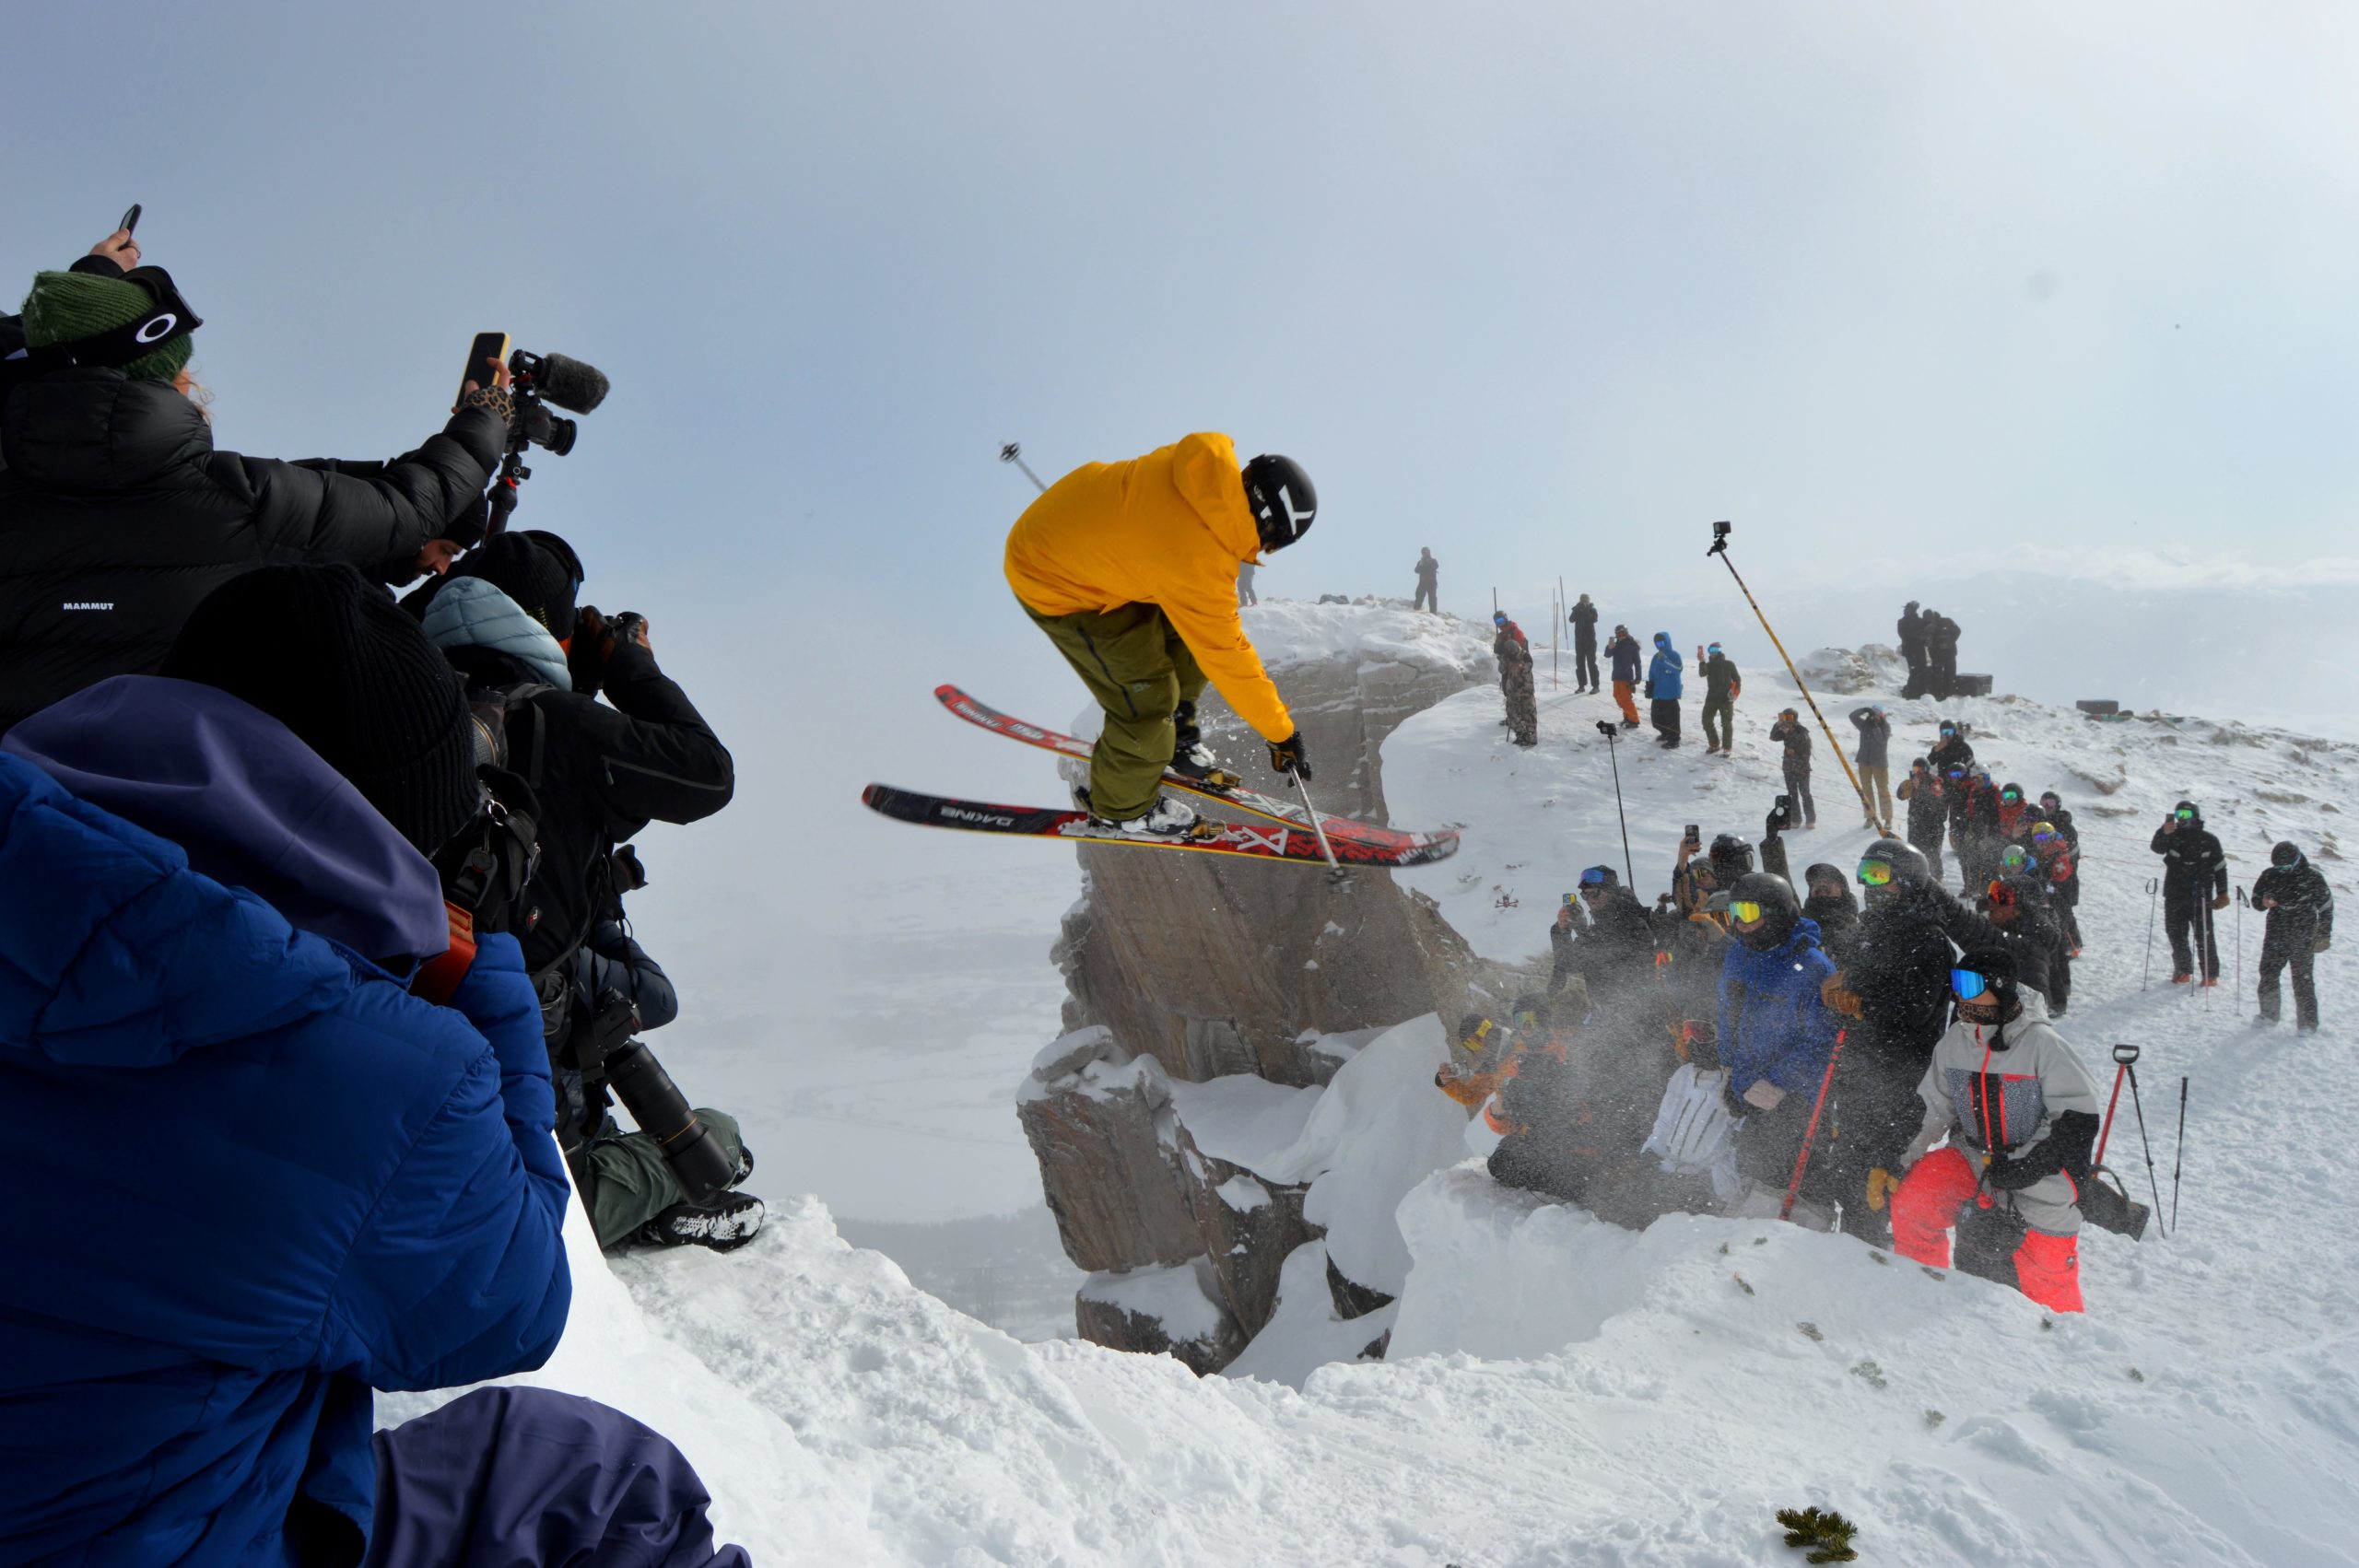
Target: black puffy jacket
[600, 774]
[117, 517]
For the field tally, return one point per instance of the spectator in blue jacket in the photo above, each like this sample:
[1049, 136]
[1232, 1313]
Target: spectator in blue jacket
[1663, 689]
[1775, 1031]
[314, 1182]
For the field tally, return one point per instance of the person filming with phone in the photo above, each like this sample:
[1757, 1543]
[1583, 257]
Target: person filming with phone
[118, 515]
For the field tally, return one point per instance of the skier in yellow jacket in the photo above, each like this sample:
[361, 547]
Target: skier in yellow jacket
[1131, 569]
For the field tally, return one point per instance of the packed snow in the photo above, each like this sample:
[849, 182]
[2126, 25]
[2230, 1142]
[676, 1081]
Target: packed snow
[1556, 1390]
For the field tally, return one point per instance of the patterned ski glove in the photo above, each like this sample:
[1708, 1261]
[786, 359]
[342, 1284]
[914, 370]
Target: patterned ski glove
[1290, 756]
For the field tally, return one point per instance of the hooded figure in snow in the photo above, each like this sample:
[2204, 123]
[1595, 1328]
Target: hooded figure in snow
[2300, 908]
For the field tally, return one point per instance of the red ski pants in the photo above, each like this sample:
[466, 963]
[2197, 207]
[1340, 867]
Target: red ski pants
[1932, 1196]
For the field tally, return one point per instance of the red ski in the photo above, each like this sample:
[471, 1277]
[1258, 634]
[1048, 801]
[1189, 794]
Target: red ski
[1409, 849]
[1258, 842]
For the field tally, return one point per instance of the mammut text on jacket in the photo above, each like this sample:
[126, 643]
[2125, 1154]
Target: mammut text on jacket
[117, 517]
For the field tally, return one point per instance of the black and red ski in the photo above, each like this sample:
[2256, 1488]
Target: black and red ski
[1261, 841]
[1408, 848]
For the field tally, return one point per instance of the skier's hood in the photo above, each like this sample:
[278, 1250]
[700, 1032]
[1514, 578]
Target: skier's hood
[1206, 474]
[468, 612]
[2287, 846]
[1662, 639]
[252, 806]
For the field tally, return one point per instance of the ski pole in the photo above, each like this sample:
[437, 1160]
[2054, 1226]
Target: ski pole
[1334, 871]
[2153, 1184]
[2123, 1055]
[2153, 885]
[2241, 905]
[1607, 730]
[1720, 549]
[2179, 1153]
[1801, 1155]
[1014, 453]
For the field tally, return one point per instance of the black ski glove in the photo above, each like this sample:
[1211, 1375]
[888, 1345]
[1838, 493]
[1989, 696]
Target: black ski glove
[1289, 756]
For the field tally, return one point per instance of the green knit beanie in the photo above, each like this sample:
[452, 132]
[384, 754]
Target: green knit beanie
[66, 307]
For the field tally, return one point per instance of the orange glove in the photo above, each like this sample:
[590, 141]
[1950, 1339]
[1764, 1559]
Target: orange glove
[1882, 1185]
[2218, 901]
[1838, 1000]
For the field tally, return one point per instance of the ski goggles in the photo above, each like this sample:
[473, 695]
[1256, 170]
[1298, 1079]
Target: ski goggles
[2184, 814]
[2013, 858]
[1957, 774]
[2044, 832]
[1967, 983]
[1877, 874]
[2012, 796]
[1593, 877]
[1746, 911]
[1712, 648]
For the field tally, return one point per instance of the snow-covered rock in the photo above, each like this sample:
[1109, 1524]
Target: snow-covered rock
[1098, 1118]
[1161, 1311]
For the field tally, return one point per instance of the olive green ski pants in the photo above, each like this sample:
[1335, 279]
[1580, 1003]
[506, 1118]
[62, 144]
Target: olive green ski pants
[1134, 664]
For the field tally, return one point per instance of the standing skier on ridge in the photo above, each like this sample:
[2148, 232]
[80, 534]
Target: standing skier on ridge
[1131, 569]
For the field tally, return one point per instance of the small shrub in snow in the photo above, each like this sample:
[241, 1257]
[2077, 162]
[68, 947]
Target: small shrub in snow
[1829, 1533]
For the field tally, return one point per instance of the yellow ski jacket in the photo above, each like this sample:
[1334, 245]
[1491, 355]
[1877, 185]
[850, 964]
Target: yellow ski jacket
[1168, 529]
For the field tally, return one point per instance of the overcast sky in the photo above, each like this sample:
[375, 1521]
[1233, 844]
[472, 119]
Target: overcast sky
[2034, 304]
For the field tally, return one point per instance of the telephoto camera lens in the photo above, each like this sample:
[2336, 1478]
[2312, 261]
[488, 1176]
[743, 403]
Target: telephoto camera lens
[695, 1156]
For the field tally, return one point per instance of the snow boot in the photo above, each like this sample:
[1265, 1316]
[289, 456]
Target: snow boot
[726, 1222]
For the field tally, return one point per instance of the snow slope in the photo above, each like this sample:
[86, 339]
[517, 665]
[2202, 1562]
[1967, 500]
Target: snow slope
[1560, 1392]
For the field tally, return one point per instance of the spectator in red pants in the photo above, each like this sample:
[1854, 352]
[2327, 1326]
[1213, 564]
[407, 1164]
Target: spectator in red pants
[2021, 1115]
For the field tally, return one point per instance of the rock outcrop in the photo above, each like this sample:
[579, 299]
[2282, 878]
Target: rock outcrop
[1099, 1119]
[1197, 967]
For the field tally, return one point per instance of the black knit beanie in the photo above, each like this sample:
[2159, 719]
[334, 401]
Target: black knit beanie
[537, 570]
[333, 660]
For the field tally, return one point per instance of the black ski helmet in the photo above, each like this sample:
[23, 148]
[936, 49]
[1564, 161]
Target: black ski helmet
[1780, 909]
[1278, 494]
[1908, 867]
[1731, 858]
[1822, 872]
[1995, 968]
[2287, 854]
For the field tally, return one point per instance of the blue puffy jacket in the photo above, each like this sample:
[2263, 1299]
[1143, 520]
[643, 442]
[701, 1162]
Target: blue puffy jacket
[1663, 671]
[250, 1176]
[1773, 1025]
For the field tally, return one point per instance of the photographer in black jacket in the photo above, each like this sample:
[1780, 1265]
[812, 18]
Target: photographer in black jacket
[117, 516]
[503, 618]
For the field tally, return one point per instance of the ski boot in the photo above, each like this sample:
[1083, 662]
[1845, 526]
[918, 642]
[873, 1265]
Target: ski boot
[1190, 758]
[725, 1222]
[1166, 819]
